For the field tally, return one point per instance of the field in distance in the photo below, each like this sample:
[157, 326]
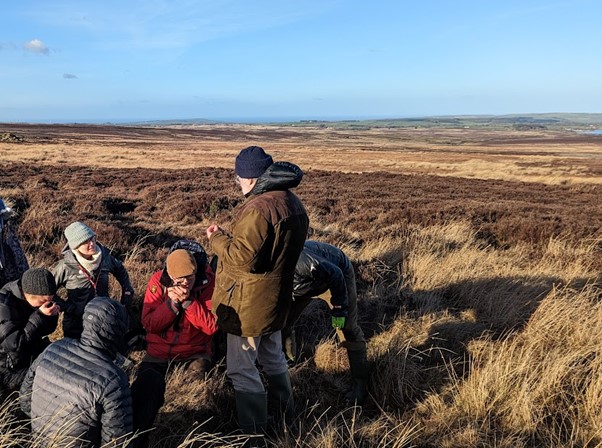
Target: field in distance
[530, 154]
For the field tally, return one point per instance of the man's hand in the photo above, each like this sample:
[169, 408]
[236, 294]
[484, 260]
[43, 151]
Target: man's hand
[49, 309]
[178, 293]
[211, 230]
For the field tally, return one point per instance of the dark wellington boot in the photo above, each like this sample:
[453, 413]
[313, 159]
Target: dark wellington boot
[252, 411]
[280, 397]
[360, 371]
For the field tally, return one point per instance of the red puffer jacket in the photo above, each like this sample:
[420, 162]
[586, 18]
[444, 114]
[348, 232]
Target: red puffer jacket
[173, 333]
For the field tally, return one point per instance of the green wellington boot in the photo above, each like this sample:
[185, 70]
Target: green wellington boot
[252, 411]
[360, 371]
[280, 397]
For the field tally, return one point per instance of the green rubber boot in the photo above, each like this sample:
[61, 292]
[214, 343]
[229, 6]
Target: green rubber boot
[280, 397]
[360, 371]
[252, 411]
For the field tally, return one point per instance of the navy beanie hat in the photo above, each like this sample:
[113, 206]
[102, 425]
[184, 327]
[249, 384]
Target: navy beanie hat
[252, 162]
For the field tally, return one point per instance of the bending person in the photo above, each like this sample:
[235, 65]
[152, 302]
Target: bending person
[324, 270]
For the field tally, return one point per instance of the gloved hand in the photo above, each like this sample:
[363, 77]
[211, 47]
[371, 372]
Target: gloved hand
[126, 297]
[338, 317]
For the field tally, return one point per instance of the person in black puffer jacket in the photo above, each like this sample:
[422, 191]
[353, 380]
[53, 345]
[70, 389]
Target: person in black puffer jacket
[84, 272]
[27, 316]
[324, 271]
[74, 392]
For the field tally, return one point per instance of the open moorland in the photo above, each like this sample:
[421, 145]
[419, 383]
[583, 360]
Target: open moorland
[478, 255]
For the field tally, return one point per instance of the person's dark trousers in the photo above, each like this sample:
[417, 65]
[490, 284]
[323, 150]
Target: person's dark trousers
[148, 392]
[148, 395]
[280, 398]
[289, 342]
[10, 380]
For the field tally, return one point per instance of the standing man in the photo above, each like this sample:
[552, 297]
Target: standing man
[254, 283]
[324, 271]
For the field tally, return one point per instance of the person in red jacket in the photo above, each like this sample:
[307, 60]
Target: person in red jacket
[179, 325]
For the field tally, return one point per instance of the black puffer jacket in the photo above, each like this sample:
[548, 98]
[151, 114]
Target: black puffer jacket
[22, 328]
[23, 332]
[75, 388]
[83, 286]
[322, 267]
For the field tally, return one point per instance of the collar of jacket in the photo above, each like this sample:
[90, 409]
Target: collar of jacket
[14, 289]
[70, 258]
[279, 176]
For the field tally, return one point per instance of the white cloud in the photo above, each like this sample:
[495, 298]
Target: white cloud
[36, 46]
[69, 76]
[170, 24]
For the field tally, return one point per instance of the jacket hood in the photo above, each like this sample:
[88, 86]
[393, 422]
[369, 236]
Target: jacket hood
[200, 256]
[13, 289]
[105, 323]
[279, 176]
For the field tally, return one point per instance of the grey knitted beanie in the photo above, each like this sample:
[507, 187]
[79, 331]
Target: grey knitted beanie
[38, 282]
[78, 233]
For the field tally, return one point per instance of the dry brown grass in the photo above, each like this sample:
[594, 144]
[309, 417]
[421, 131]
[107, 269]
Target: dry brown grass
[480, 299]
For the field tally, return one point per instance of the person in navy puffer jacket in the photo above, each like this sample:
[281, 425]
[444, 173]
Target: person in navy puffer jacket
[74, 392]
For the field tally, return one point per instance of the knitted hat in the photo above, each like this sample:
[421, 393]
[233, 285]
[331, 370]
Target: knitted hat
[38, 282]
[251, 162]
[78, 233]
[180, 263]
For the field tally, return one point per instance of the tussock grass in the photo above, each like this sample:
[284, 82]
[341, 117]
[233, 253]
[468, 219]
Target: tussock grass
[473, 341]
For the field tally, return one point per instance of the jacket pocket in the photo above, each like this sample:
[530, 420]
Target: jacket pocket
[229, 305]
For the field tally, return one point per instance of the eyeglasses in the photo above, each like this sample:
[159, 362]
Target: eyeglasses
[182, 281]
[237, 179]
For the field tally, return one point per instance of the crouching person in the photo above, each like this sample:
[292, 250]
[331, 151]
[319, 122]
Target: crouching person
[74, 392]
[179, 325]
[84, 272]
[27, 315]
[324, 271]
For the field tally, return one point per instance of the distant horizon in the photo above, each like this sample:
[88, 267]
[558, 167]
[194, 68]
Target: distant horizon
[293, 119]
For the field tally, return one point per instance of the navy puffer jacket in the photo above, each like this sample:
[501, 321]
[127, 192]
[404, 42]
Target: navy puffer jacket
[74, 390]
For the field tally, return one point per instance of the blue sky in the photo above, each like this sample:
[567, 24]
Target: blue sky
[68, 60]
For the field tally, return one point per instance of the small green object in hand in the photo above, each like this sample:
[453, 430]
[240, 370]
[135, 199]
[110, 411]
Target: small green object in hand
[338, 322]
